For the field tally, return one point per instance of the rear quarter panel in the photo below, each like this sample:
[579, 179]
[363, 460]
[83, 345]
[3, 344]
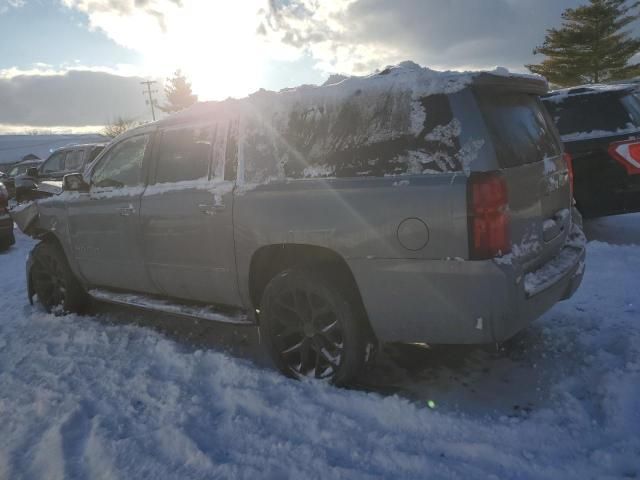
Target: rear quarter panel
[357, 218]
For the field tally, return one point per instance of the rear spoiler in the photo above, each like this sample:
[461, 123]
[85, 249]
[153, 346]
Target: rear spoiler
[512, 83]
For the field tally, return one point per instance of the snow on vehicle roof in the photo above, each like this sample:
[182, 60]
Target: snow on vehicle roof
[270, 131]
[407, 76]
[558, 96]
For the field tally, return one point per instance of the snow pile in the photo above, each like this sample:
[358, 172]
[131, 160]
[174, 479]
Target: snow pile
[80, 398]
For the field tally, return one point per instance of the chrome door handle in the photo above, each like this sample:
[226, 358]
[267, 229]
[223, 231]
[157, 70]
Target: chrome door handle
[126, 211]
[209, 209]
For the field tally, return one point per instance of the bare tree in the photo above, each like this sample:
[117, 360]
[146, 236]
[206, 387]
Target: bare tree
[118, 126]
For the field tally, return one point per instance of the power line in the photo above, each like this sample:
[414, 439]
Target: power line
[151, 100]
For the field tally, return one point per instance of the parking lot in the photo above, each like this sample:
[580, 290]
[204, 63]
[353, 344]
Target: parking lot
[107, 391]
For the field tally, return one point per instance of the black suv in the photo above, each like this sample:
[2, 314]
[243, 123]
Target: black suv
[600, 129]
[63, 161]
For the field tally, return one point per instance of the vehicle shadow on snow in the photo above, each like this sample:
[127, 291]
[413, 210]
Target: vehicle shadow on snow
[471, 379]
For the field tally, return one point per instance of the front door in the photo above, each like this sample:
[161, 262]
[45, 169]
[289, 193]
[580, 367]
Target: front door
[186, 217]
[104, 223]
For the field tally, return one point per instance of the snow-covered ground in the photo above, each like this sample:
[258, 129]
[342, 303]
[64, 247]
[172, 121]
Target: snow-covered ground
[108, 397]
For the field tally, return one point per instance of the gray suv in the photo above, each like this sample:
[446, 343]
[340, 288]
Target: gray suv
[407, 206]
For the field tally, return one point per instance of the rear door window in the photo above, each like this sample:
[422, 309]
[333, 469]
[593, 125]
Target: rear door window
[606, 112]
[184, 154]
[520, 127]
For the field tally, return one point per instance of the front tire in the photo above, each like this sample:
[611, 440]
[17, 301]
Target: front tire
[312, 327]
[58, 290]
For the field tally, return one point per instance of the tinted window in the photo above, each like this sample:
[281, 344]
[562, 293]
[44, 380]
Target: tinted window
[520, 127]
[55, 163]
[594, 112]
[371, 134]
[122, 165]
[73, 160]
[184, 155]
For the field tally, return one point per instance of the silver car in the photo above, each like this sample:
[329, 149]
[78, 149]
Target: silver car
[407, 206]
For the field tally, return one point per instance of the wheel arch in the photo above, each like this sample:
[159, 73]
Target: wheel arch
[269, 260]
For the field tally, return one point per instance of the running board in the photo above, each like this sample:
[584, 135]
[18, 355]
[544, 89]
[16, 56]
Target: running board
[165, 305]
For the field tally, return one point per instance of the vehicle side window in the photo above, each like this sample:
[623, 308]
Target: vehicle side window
[122, 166]
[73, 160]
[184, 154]
[54, 163]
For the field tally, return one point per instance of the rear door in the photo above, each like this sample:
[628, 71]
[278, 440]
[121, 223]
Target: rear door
[529, 153]
[104, 223]
[186, 215]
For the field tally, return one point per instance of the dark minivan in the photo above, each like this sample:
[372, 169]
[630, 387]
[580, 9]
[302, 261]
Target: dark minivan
[600, 128]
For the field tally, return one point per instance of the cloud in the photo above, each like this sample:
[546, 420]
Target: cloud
[73, 98]
[9, 4]
[213, 40]
[354, 35]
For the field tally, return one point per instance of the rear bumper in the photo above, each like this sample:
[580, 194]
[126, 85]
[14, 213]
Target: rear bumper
[463, 302]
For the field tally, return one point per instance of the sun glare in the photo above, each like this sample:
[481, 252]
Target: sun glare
[216, 47]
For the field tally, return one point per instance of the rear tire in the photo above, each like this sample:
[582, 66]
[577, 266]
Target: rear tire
[312, 327]
[58, 290]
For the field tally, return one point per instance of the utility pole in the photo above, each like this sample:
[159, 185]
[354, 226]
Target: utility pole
[150, 93]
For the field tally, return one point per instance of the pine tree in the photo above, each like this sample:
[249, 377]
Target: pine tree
[178, 93]
[592, 45]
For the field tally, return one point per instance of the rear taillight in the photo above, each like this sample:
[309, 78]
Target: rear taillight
[569, 159]
[488, 203]
[627, 154]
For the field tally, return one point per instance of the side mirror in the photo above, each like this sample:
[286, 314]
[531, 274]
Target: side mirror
[32, 172]
[74, 182]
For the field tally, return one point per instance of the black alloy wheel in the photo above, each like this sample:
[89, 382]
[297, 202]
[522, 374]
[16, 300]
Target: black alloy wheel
[310, 328]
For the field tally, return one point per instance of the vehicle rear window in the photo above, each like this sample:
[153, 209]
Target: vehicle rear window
[606, 112]
[521, 129]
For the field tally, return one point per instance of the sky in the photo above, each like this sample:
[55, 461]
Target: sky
[75, 65]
